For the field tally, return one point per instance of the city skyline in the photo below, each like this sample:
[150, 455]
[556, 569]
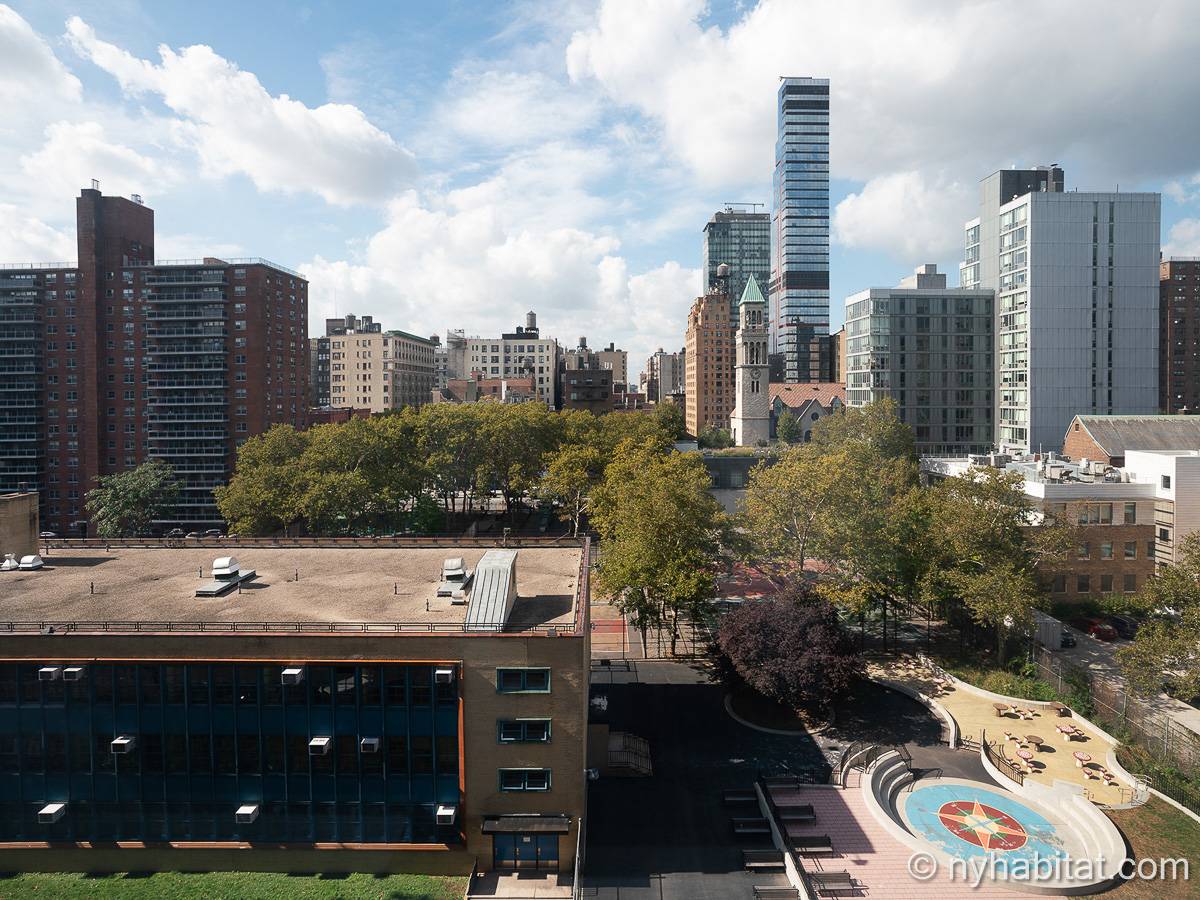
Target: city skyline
[538, 165]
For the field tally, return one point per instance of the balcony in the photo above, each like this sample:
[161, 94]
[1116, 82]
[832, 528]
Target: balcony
[185, 433]
[187, 365]
[196, 400]
[174, 384]
[160, 418]
[176, 314]
[185, 277]
[190, 349]
[186, 332]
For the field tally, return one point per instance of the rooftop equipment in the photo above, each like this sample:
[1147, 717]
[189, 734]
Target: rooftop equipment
[30, 562]
[494, 591]
[227, 575]
[10, 563]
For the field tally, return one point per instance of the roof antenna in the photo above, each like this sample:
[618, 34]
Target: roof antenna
[95, 185]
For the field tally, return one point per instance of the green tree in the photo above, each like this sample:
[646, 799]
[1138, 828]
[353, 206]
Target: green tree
[987, 543]
[876, 425]
[661, 531]
[669, 417]
[125, 504]
[712, 438]
[264, 495]
[574, 472]
[1165, 653]
[788, 428]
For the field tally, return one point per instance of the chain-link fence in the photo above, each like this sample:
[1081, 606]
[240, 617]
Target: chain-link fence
[1135, 719]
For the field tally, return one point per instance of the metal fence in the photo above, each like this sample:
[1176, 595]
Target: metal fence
[1134, 717]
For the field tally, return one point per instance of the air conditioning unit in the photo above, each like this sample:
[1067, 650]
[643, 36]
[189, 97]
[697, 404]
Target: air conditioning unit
[51, 813]
[246, 815]
[49, 673]
[443, 676]
[369, 745]
[73, 673]
[292, 675]
[319, 746]
[126, 743]
[445, 815]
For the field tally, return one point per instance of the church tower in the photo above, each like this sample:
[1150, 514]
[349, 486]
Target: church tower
[750, 423]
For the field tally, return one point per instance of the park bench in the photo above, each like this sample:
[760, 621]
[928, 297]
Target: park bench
[801, 813]
[809, 846]
[762, 859]
[771, 892]
[782, 781]
[751, 826]
[831, 882]
[736, 797]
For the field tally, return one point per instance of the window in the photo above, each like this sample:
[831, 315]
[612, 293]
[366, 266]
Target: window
[523, 731]
[1130, 513]
[1082, 584]
[1130, 582]
[1085, 550]
[1164, 534]
[1060, 584]
[1106, 551]
[1166, 482]
[524, 779]
[528, 681]
[1131, 549]
[1106, 583]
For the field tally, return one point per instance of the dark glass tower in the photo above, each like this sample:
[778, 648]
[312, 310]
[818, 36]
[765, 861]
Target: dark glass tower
[741, 237]
[800, 256]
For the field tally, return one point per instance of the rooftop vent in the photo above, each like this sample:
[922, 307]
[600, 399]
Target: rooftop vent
[10, 563]
[51, 813]
[225, 567]
[246, 815]
[30, 562]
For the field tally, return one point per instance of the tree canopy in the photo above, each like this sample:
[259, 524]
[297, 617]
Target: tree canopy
[127, 503]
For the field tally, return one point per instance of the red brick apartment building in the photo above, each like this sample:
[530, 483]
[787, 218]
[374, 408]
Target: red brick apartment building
[122, 358]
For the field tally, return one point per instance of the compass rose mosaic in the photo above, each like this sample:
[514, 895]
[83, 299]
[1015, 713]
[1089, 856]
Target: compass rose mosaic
[982, 825]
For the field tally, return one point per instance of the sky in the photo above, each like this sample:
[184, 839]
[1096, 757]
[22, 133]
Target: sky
[454, 165]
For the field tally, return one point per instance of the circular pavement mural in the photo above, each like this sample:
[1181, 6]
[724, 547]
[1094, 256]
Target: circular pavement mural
[965, 819]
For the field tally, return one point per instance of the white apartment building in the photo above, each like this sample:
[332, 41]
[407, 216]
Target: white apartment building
[380, 371]
[523, 353]
[1076, 280]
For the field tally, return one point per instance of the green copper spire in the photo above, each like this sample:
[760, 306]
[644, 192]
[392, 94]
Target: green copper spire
[751, 294]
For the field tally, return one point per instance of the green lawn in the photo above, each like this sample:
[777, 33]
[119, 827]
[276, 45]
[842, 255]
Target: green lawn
[1154, 831]
[231, 885]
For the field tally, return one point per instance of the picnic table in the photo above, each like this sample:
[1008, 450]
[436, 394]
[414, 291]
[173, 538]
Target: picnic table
[1001, 709]
[1060, 708]
[1081, 758]
[1035, 740]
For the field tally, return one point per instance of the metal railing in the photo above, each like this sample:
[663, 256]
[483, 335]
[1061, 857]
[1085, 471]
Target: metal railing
[150, 627]
[995, 755]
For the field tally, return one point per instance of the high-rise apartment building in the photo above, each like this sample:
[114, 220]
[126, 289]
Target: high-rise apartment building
[1179, 335]
[929, 348]
[522, 353]
[450, 358]
[663, 376]
[750, 423]
[709, 360]
[122, 358]
[1076, 277]
[584, 381]
[319, 352]
[739, 236]
[800, 255]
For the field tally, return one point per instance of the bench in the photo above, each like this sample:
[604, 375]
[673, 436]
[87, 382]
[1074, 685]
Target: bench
[771, 892]
[733, 798]
[801, 813]
[782, 781]
[808, 846]
[831, 882]
[762, 859]
[751, 826]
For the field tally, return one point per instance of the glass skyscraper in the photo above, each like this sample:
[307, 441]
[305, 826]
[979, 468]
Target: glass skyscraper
[739, 236]
[800, 256]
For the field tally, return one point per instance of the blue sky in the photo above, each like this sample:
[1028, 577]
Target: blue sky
[454, 164]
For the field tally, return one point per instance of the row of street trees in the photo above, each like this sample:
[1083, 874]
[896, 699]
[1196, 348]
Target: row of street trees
[416, 467]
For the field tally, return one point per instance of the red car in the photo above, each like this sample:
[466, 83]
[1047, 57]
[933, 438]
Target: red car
[1101, 631]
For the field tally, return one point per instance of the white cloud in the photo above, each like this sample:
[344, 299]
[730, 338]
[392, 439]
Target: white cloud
[916, 86]
[1183, 239]
[917, 219]
[30, 74]
[74, 153]
[25, 239]
[237, 127]
[509, 109]
[1185, 190]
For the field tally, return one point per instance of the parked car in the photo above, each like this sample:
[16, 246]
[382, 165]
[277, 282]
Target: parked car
[174, 533]
[193, 534]
[1066, 639]
[213, 532]
[1124, 626]
[47, 534]
[1101, 631]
